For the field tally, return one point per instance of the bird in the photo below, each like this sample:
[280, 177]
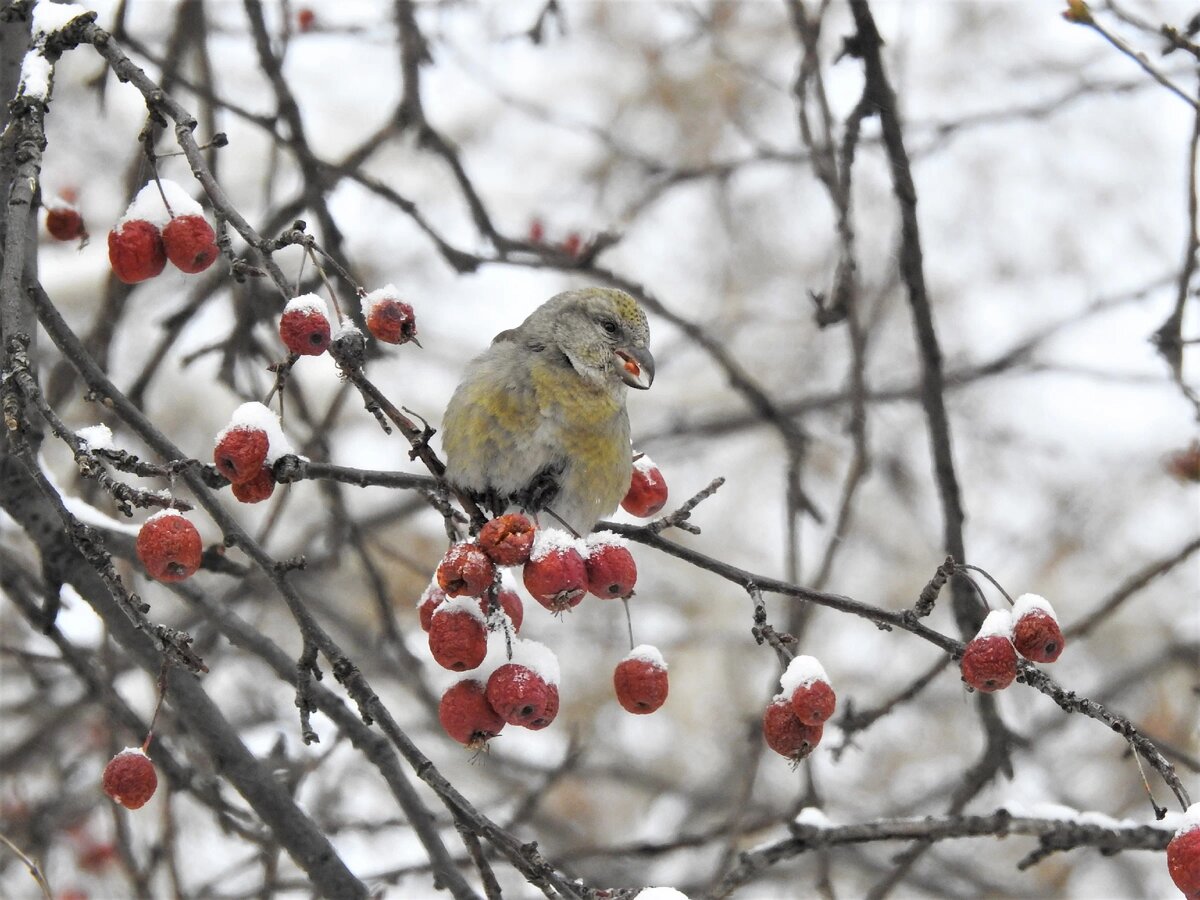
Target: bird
[539, 422]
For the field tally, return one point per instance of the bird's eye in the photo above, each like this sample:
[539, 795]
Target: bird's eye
[610, 326]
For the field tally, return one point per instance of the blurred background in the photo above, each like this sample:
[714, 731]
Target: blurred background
[658, 146]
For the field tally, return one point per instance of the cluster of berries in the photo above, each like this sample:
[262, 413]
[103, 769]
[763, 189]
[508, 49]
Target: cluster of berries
[246, 449]
[795, 719]
[572, 245]
[306, 328]
[153, 231]
[989, 661]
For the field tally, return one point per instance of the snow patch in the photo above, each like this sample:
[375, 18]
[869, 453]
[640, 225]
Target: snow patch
[550, 540]
[48, 17]
[536, 657]
[255, 415]
[35, 75]
[96, 437]
[1190, 820]
[801, 671]
[469, 605]
[600, 539]
[813, 818]
[998, 621]
[308, 303]
[650, 654]
[148, 204]
[1029, 602]
[374, 298]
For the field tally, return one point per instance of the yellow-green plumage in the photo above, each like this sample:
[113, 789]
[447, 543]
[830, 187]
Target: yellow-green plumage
[539, 418]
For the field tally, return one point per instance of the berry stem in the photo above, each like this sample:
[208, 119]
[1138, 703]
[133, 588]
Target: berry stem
[162, 693]
[628, 621]
[325, 280]
[985, 574]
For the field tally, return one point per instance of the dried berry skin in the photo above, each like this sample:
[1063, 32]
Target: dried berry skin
[1038, 638]
[519, 695]
[256, 489]
[64, 223]
[787, 735]
[647, 492]
[136, 252]
[240, 453]
[130, 779]
[641, 686]
[611, 571]
[466, 715]
[507, 539]
[169, 547]
[549, 711]
[813, 703]
[557, 580]
[511, 603]
[190, 242]
[1183, 862]
[392, 321]
[465, 570]
[430, 601]
[304, 332]
[989, 663]
[457, 640]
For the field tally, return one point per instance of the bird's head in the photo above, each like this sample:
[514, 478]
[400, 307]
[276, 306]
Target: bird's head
[601, 331]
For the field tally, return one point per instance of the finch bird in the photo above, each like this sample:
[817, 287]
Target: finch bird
[539, 422]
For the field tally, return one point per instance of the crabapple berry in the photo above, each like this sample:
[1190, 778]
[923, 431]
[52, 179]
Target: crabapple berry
[304, 326]
[64, 223]
[640, 680]
[807, 688]
[129, 778]
[256, 489]
[457, 636]
[169, 546]
[555, 574]
[611, 571]
[1183, 854]
[520, 695]
[465, 569]
[989, 662]
[510, 603]
[1036, 633]
[389, 318]
[431, 599]
[507, 539]
[135, 251]
[240, 452]
[190, 243]
[467, 716]
[647, 489]
[786, 734]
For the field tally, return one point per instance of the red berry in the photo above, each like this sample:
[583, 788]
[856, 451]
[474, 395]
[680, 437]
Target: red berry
[647, 490]
[507, 539]
[465, 570]
[256, 489]
[1183, 856]
[129, 778]
[135, 251]
[640, 680]
[813, 702]
[240, 452]
[467, 716]
[305, 19]
[431, 599]
[64, 223]
[520, 695]
[787, 735]
[388, 317]
[457, 636]
[989, 663]
[94, 857]
[611, 571]
[549, 711]
[537, 231]
[190, 242]
[555, 574]
[572, 244]
[169, 546]
[304, 326]
[1036, 634]
[510, 603]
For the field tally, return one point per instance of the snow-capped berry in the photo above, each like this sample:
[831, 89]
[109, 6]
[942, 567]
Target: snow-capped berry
[240, 451]
[807, 687]
[1036, 633]
[555, 574]
[431, 598]
[465, 570]
[190, 243]
[388, 317]
[510, 602]
[989, 662]
[640, 680]
[135, 251]
[304, 326]
[130, 779]
[467, 716]
[518, 694]
[457, 636]
[256, 489]
[647, 489]
[786, 734]
[507, 539]
[169, 546]
[611, 571]
[1183, 854]
[64, 223]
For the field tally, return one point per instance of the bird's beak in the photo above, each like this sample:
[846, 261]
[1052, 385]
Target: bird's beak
[635, 366]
